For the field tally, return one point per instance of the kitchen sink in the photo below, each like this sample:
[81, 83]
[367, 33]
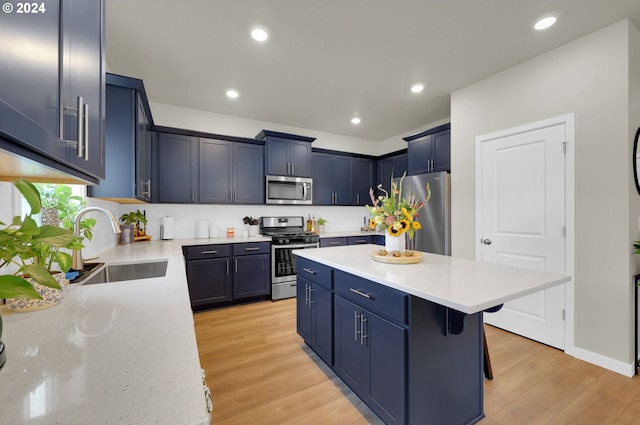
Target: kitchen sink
[119, 272]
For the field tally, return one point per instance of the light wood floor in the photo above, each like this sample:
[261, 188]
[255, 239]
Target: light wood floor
[261, 373]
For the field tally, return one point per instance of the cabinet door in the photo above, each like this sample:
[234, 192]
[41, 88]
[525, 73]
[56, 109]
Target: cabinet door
[392, 166]
[215, 171]
[420, 155]
[349, 354]
[300, 158]
[248, 173]
[342, 177]
[251, 276]
[303, 310]
[386, 364]
[30, 99]
[322, 322]
[209, 281]
[442, 151]
[321, 172]
[363, 180]
[177, 168]
[143, 153]
[83, 75]
[119, 135]
[277, 156]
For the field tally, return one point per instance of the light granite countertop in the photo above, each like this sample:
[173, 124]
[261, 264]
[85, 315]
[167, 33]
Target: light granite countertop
[465, 285]
[115, 353]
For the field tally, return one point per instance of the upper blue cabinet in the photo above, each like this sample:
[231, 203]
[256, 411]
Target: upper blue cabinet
[286, 154]
[429, 151]
[52, 79]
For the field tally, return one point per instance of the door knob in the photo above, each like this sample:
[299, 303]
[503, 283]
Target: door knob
[486, 241]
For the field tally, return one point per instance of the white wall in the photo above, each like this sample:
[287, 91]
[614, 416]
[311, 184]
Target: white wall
[590, 77]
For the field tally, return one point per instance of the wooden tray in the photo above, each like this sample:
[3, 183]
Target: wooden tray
[390, 259]
[142, 238]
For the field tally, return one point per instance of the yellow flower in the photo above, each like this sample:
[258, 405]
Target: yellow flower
[404, 225]
[393, 231]
[416, 225]
[372, 223]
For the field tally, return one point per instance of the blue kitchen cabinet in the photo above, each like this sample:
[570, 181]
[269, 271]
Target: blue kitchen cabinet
[177, 170]
[370, 358]
[286, 154]
[314, 312]
[363, 180]
[128, 142]
[429, 151]
[393, 165]
[332, 179]
[231, 172]
[208, 274]
[251, 270]
[39, 100]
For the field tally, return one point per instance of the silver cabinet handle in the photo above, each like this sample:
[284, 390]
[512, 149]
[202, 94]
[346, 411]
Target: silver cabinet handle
[227, 266]
[313, 272]
[208, 252]
[79, 125]
[358, 198]
[334, 243]
[363, 335]
[361, 241]
[356, 318]
[357, 291]
[311, 291]
[292, 169]
[252, 249]
[148, 184]
[85, 133]
[306, 295]
[236, 265]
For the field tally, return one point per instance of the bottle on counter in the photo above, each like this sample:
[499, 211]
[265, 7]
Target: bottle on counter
[309, 223]
[314, 224]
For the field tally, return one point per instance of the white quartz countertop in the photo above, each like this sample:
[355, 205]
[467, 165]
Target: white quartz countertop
[114, 353]
[465, 285]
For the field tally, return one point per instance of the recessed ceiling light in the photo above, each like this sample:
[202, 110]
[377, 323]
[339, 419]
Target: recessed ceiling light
[355, 120]
[233, 94]
[545, 23]
[417, 88]
[259, 34]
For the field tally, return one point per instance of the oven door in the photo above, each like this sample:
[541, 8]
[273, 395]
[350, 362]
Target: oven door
[283, 262]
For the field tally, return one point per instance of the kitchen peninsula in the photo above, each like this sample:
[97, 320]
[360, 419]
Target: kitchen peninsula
[407, 338]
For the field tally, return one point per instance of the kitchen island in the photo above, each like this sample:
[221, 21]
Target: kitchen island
[407, 338]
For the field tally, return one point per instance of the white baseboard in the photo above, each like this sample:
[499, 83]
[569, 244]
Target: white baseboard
[626, 369]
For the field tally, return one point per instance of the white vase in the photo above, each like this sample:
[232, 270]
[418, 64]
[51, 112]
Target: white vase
[254, 230]
[394, 243]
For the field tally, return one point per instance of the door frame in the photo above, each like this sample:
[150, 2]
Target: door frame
[569, 121]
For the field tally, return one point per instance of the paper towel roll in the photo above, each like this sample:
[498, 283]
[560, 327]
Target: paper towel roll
[167, 228]
[202, 229]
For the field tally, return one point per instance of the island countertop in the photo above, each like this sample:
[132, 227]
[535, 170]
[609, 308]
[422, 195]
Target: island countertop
[464, 285]
[114, 353]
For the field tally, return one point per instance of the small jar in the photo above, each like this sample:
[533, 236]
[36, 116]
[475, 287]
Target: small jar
[230, 232]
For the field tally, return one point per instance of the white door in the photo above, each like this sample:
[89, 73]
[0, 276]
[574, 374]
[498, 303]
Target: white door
[522, 209]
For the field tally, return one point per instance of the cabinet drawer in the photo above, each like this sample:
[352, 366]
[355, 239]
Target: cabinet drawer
[251, 248]
[327, 242]
[388, 302]
[198, 252]
[315, 272]
[359, 240]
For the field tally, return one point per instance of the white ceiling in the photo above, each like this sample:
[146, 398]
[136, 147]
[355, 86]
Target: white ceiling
[328, 60]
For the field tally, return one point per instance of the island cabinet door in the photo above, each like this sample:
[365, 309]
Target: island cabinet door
[315, 318]
[387, 369]
[349, 354]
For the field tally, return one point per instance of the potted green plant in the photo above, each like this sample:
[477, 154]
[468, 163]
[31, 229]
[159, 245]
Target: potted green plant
[321, 222]
[135, 220]
[58, 199]
[254, 225]
[31, 253]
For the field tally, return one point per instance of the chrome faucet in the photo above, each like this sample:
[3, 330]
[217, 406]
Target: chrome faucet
[77, 263]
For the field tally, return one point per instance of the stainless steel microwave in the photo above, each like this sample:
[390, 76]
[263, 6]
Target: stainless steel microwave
[289, 190]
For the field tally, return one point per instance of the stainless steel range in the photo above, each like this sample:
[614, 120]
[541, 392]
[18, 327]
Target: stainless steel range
[287, 234]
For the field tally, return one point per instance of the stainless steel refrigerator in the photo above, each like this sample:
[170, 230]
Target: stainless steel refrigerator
[435, 216]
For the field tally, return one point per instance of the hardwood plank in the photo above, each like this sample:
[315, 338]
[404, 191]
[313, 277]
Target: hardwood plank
[261, 372]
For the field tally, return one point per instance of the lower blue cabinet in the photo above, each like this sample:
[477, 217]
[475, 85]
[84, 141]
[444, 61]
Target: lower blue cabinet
[370, 358]
[314, 317]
